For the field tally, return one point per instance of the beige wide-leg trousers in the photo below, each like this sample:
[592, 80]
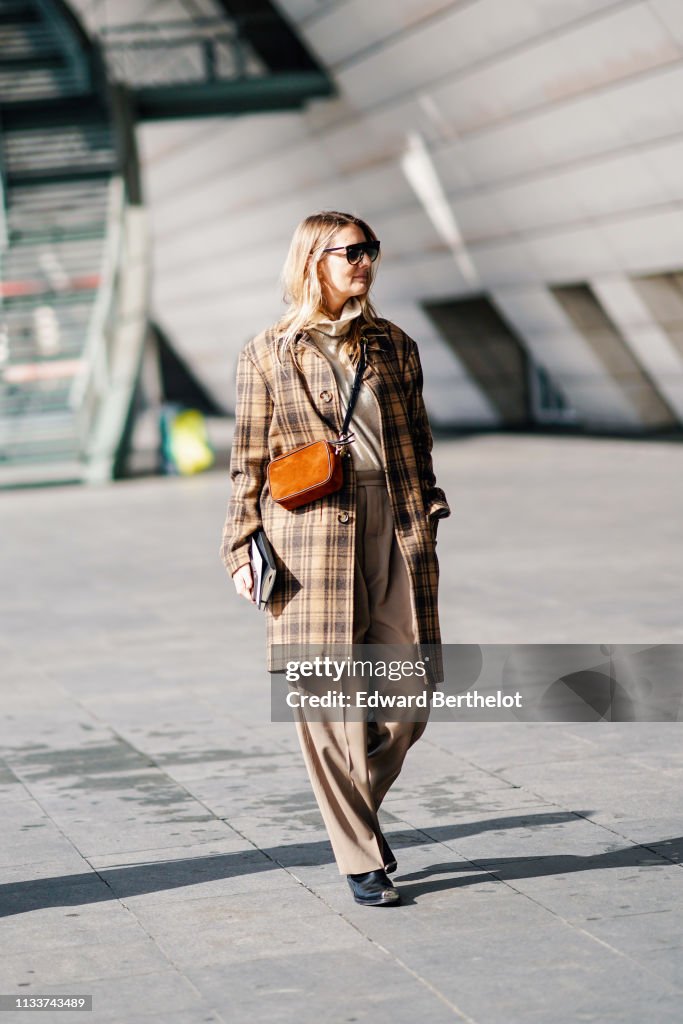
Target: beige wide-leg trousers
[352, 764]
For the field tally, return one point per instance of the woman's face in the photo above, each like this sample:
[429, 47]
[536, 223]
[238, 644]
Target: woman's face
[341, 280]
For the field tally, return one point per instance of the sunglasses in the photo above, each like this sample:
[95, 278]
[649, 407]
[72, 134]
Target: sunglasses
[354, 253]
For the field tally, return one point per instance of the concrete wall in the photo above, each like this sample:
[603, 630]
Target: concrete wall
[549, 135]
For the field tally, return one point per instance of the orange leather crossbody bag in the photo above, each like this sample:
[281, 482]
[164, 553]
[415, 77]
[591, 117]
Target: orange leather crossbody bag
[314, 470]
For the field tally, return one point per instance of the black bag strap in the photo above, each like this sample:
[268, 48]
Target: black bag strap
[343, 433]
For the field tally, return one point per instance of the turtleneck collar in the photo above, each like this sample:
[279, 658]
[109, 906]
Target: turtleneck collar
[338, 328]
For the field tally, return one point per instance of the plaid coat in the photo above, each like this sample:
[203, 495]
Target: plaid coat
[312, 602]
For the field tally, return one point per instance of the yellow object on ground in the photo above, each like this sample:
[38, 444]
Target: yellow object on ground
[190, 445]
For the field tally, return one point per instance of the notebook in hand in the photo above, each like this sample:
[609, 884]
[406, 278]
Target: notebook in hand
[262, 567]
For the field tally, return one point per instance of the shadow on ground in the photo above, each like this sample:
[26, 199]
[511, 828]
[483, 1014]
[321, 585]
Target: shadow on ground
[162, 876]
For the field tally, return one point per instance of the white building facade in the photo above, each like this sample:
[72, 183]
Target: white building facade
[522, 162]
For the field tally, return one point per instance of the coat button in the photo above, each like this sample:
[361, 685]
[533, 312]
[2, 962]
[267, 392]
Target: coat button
[343, 517]
[326, 396]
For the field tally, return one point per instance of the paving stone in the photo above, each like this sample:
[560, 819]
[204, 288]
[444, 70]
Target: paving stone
[70, 890]
[28, 834]
[141, 994]
[42, 968]
[102, 837]
[357, 984]
[197, 877]
[240, 927]
[229, 843]
[60, 926]
[162, 848]
[502, 977]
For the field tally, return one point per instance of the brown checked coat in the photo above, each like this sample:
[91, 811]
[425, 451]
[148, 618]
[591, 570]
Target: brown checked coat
[312, 602]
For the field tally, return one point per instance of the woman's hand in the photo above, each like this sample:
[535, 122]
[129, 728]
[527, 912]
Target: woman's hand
[244, 582]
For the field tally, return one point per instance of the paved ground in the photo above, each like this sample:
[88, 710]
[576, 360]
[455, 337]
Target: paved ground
[160, 847]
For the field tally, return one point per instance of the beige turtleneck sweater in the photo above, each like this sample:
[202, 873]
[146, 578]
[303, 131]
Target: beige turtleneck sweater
[366, 449]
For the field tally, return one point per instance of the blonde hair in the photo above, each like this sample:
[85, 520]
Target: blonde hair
[302, 288]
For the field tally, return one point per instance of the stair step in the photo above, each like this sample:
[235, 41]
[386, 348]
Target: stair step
[51, 266]
[18, 11]
[67, 152]
[19, 63]
[18, 285]
[39, 407]
[32, 464]
[40, 377]
[67, 196]
[31, 38]
[24, 350]
[58, 144]
[43, 207]
[24, 347]
[39, 286]
[35, 395]
[37, 431]
[70, 254]
[42, 293]
[26, 86]
[84, 108]
[38, 427]
[22, 333]
[37, 448]
[59, 266]
[60, 219]
[40, 157]
[65, 244]
[55, 176]
[14, 420]
[69, 317]
[28, 239]
[40, 451]
[65, 299]
[25, 230]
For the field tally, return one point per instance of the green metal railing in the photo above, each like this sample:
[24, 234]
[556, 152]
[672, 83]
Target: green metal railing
[203, 66]
[90, 385]
[178, 52]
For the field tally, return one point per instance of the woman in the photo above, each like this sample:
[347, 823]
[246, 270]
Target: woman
[358, 566]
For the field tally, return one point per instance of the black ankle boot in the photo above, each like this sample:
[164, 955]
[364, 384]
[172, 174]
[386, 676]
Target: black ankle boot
[373, 889]
[388, 856]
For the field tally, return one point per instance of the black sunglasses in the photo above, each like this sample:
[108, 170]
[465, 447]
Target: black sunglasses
[354, 253]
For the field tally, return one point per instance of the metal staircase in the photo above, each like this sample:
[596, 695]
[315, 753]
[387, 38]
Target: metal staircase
[65, 206]
[74, 263]
[198, 58]
[40, 58]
